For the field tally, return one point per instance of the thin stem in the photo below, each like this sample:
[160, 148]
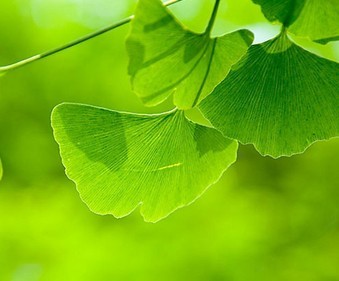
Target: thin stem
[64, 47]
[213, 17]
[208, 31]
[73, 43]
[86, 37]
[196, 100]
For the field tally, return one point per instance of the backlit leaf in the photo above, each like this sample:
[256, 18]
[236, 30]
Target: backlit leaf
[166, 58]
[279, 97]
[121, 160]
[316, 19]
[284, 11]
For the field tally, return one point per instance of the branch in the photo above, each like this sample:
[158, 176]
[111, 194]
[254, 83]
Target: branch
[34, 58]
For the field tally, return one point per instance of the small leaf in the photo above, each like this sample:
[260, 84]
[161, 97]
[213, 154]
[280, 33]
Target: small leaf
[279, 97]
[316, 19]
[121, 160]
[166, 58]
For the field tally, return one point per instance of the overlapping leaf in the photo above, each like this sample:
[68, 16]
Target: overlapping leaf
[166, 58]
[316, 19]
[279, 97]
[284, 11]
[121, 160]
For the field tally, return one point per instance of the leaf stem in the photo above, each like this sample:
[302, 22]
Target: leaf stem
[196, 100]
[208, 32]
[34, 58]
[213, 17]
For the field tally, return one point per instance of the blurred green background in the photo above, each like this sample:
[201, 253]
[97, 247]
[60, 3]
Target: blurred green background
[265, 220]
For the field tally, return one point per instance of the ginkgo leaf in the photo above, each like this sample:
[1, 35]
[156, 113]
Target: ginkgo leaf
[279, 97]
[166, 58]
[316, 19]
[121, 160]
[284, 11]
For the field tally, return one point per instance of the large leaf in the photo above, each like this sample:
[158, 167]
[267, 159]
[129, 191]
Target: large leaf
[316, 19]
[121, 160]
[279, 97]
[166, 58]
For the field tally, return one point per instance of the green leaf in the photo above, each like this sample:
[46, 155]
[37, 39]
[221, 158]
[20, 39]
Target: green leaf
[279, 97]
[166, 58]
[121, 160]
[284, 11]
[316, 19]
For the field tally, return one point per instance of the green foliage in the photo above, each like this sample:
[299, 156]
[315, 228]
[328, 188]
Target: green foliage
[166, 58]
[284, 11]
[265, 219]
[274, 98]
[121, 160]
[279, 97]
[316, 19]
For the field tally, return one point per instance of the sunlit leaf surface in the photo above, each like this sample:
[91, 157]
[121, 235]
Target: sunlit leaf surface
[166, 58]
[279, 97]
[316, 19]
[122, 160]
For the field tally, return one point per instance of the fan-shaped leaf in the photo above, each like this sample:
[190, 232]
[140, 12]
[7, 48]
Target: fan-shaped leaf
[121, 160]
[279, 97]
[166, 58]
[316, 19]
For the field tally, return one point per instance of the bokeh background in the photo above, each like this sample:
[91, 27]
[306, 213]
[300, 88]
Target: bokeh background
[265, 220]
